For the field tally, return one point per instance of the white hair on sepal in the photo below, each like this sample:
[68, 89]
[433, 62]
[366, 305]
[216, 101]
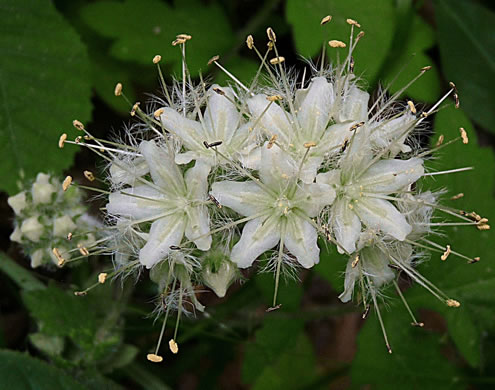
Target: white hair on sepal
[289, 268]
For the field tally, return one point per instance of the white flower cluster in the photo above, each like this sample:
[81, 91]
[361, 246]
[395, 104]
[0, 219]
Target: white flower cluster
[46, 219]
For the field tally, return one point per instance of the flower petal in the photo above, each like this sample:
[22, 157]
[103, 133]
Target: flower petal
[351, 275]
[276, 167]
[190, 132]
[221, 115]
[382, 215]
[273, 121]
[300, 240]
[257, 237]
[375, 263]
[311, 198]
[164, 233]
[247, 198]
[345, 225]
[124, 203]
[196, 179]
[354, 105]
[388, 176]
[163, 169]
[198, 227]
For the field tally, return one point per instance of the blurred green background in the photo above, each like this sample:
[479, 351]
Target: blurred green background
[60, 60]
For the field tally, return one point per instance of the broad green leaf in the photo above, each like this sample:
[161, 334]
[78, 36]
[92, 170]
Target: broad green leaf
[21, 276]
[467, 52]
[44, 85]
[289, 291]
[416, 361]
[19, 371]
[140, 29]
[376, 18]
[471, 284]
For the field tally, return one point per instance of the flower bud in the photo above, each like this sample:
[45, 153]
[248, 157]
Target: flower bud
[220, 281]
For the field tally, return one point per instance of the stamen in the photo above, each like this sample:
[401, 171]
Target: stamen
[351, 65]
[277, 60]
[173, 346]
[186, 37]
[212, 145]
[78, 125]
[446, 253]
[271, 35]
[154, 358]
[415, 322]
[219, 91]
[61, 140]
[273, 308]
[336, 44]
[453, 303]
[102, 277]
[135, 107]
[83, 250]
[326, 19]
[411, 106]
[279, 263]
[118, 89]
[69, 236]
[274, 98]
[352, 22]
[157, 59]
[455, 95]
[449, 171]
[158, 113]
[440, 140]
[61, 260]
[356, 126]
[89, 175]
[214, 200]
[464, 136]
[272, 141]
[308, 145]
[458, 196]
[67, 182]
[355, 261]
[366, 312]
[250, 42]
[380, 320]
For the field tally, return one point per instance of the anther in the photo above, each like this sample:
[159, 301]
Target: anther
[89, 175]
[61, 140]
[483, 227]
[67, 182]
[326, 19]
[277, 60]
[356, 126]
[175, 247]
[186, 37]
[344, 146]
[464, 136]
[78, 139]
[458, 196]
[118, 89]
[219, 91]
[135, 108]
[355, 262]
[102, 277]
[453, 303]
[352, 22]
[271, 34]
[425, 68]
[213, 59]
[359, 36]
[389, 349]
[308, 145]
[178, 41]
[335, 43]
[272, 141]
[440, 140]
[274, 98]
[424, 114]
[157, 59]
[158, 113]
[213, 144]
[250, 42]
[351, 65]
[80, 293]
[214, 200]
[418, 324]
[273, 308]
[446, 253]
[474, 260]
[69, 236]
[61, 260]
[411, 106]
[78, 124]
[366, 312]
[83, 250]
[174, 348]
[154, 358]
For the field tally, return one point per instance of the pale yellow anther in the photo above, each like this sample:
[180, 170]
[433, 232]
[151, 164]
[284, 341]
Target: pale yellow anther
[483, 227]
[326, 19]
[425, 68]
[158, 113]
[271, 34]
[118, 89]
[61, 140]
[453, 303]
[78, 139]
[355, 262]
[89, 175]
[69, 236]
[285, 176]
[213, 59]
[67, 182]
[440, 140]
[458, 196]
[272, 141]
[61, 260]
[464, 136]
[351, 206]
[102, 277]
[446, 253]
[173, 346]
[274, 98]
[80, 293]
[411, 106]
[359, 36]
[352, 22]
[186, 37]
[336, 43]
[78, 124]
[178, 41]
[83, 250]
[308, 145]
[135, 108]
[424, 114]
[154, 358]
[277, 60]
[157, 59]
[250, 42]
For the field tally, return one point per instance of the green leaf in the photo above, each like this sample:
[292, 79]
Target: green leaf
[377, 19]
[21, 276]
[467, 52]
[44, 85]
[19, 371]
[331, 266]
[143, 28]
[289, 292]
[416, 361]
[50, 345]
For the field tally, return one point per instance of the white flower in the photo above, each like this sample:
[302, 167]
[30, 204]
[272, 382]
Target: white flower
[221, 121]
[362, 188]
[18, 202]
[174, 204]
[280, 209]
[42, 189]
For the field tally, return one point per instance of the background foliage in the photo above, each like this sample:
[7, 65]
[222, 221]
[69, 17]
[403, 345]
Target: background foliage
[61, 60]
